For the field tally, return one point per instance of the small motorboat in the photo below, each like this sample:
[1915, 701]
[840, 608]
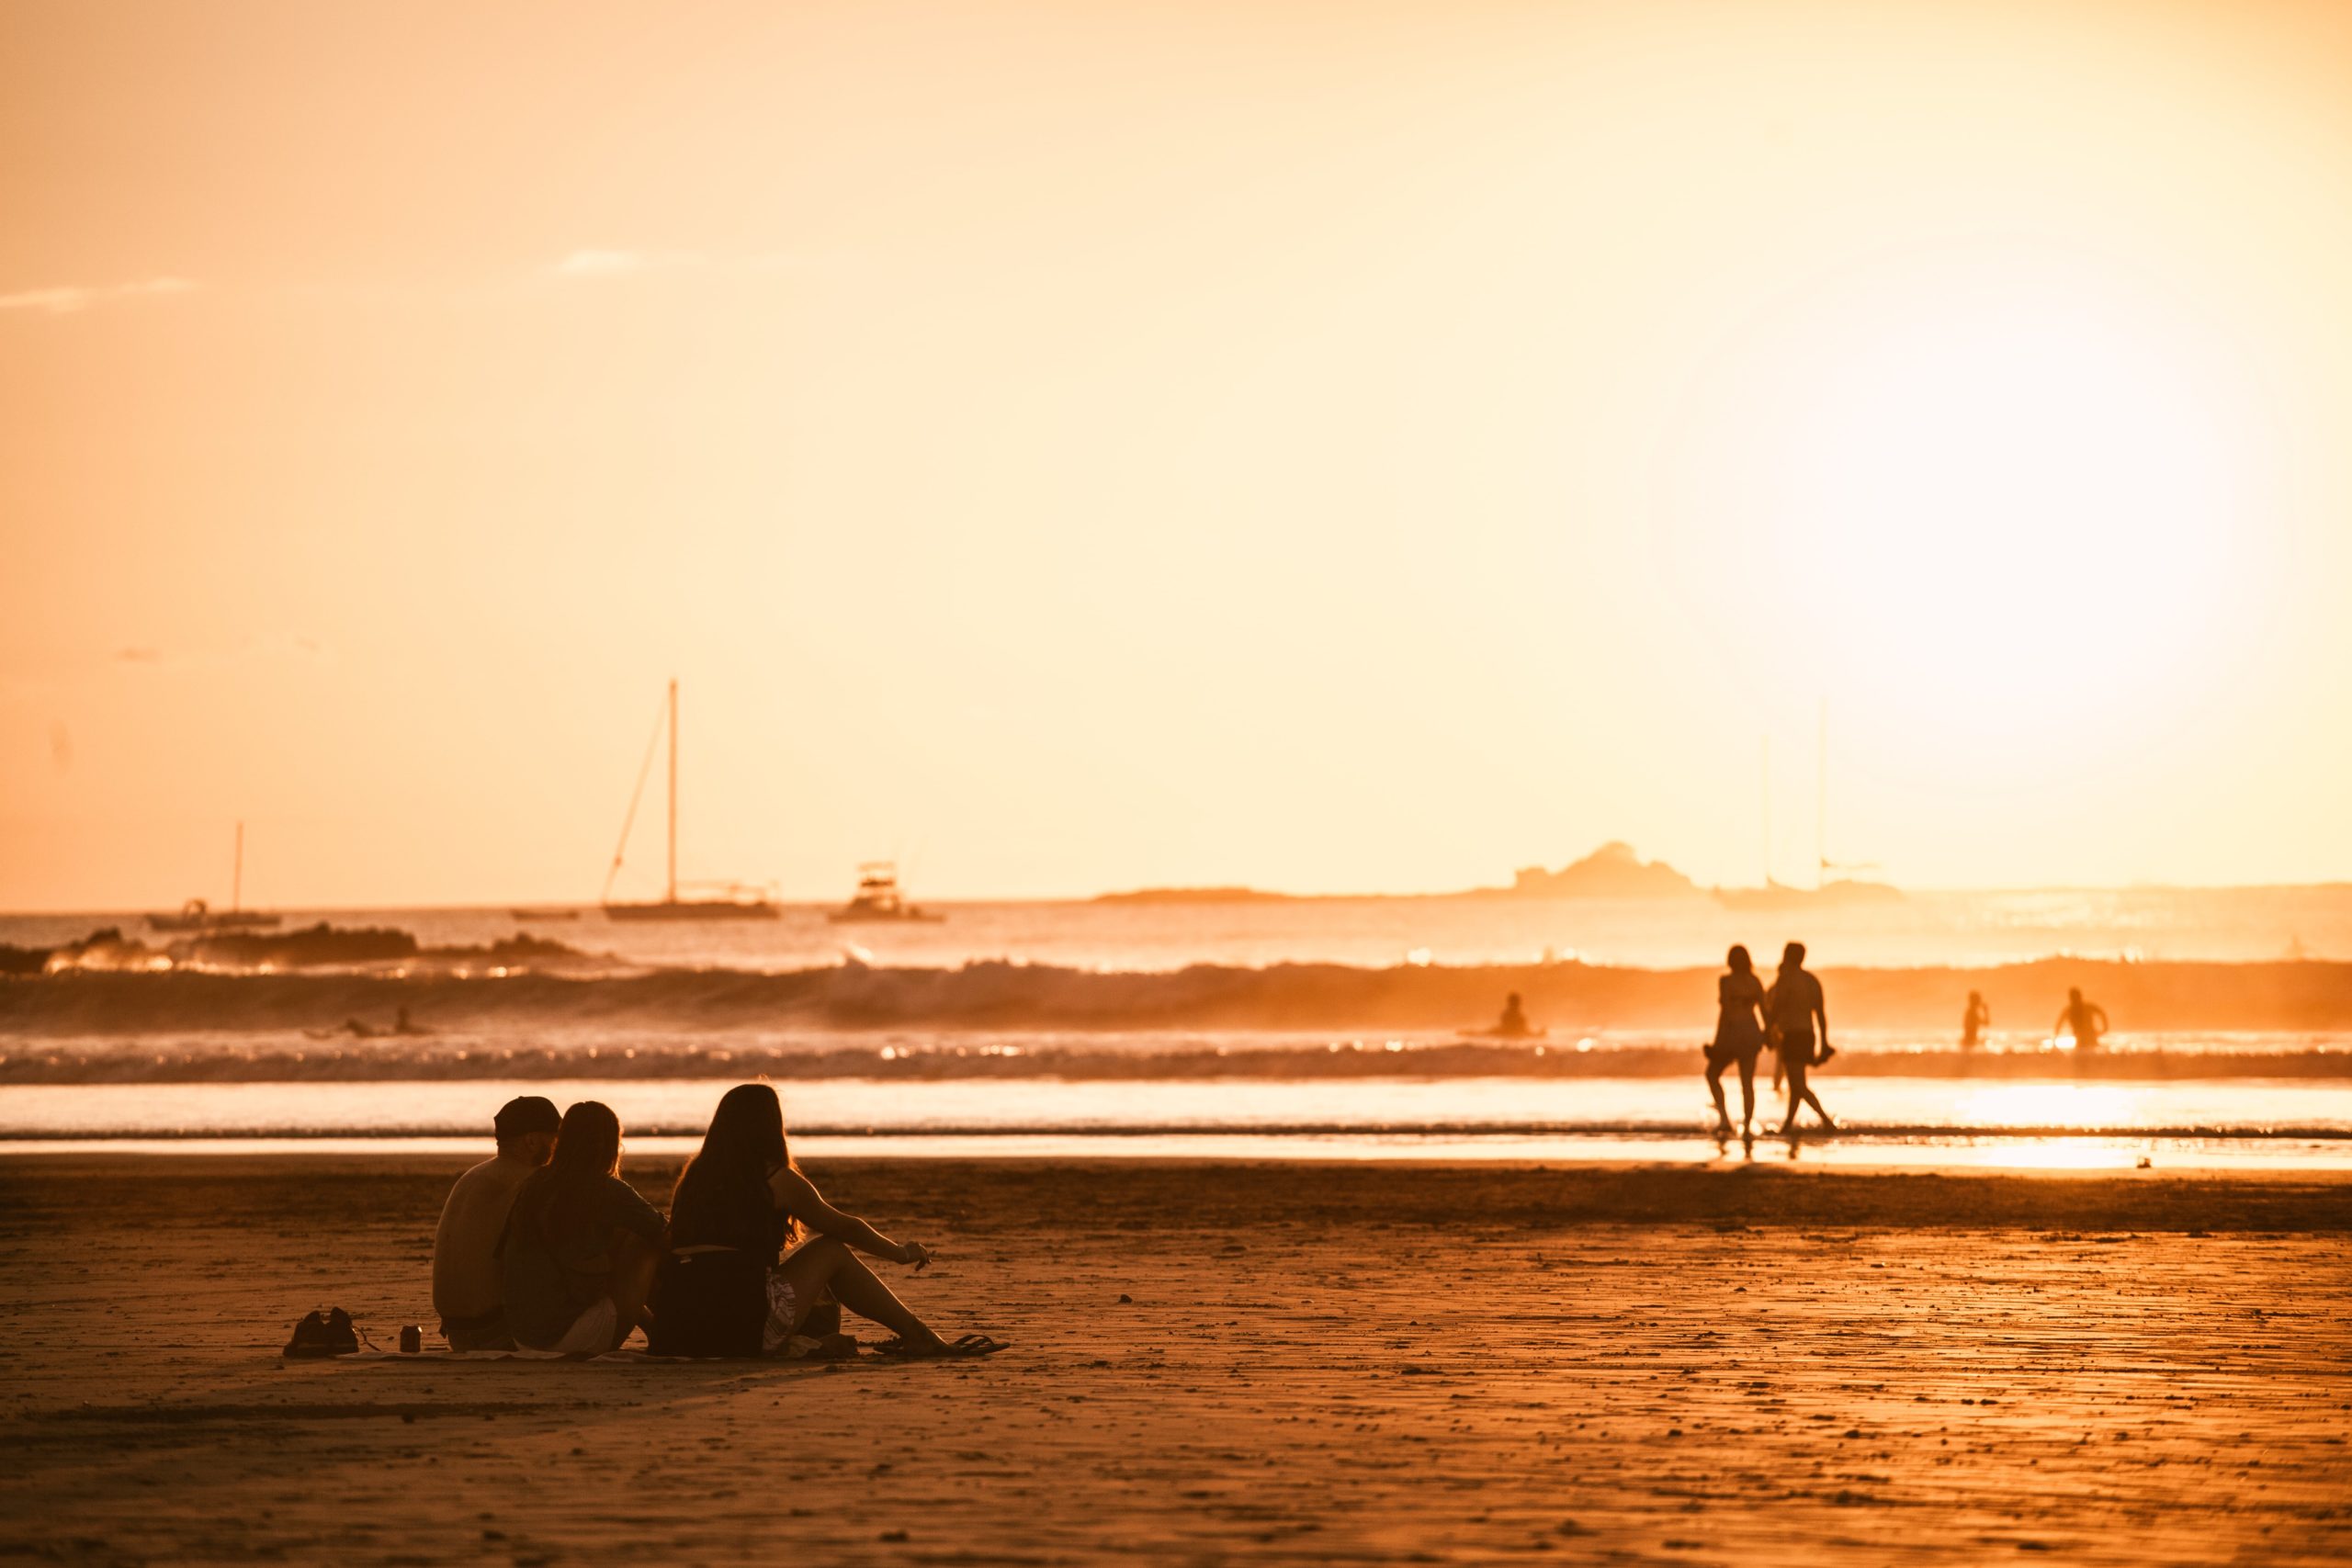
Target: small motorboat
[879, 899]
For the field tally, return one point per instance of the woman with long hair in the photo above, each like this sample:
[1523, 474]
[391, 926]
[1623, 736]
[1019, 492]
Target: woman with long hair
[579, 1247]
[1739, 1037]
[754, 1248]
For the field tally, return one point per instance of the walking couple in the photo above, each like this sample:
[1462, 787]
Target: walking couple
[1751, 1017]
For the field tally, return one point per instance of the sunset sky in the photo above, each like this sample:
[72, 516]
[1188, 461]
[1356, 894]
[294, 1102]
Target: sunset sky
[1073, 447]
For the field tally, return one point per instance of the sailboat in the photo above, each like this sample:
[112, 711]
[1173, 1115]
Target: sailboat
[720, 901]
[196, 915]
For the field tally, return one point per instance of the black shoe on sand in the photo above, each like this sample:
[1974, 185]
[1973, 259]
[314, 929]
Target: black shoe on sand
[322, 1333]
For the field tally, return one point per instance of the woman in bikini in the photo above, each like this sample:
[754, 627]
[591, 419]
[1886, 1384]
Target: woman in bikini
[1739, 1037]
[754, 1248]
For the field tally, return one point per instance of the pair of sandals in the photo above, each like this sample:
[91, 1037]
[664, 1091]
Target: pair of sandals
[969, 1346]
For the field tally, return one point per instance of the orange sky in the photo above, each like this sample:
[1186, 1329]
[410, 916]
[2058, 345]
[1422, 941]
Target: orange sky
[1090, 445]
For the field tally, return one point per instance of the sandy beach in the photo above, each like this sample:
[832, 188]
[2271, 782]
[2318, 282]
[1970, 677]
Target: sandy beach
[1368, 1362]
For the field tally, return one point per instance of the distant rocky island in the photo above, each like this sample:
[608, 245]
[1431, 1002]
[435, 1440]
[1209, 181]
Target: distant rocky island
[1613, 870]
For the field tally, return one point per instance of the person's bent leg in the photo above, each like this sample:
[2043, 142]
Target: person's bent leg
[1715, 1088]
[1747, 1092]
[1794, 1070]
[634, 1262]
[826, 1264]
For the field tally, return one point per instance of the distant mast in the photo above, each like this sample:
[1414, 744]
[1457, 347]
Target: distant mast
[671, 896]
[1821, 799]
[733, 900]
[237, 876]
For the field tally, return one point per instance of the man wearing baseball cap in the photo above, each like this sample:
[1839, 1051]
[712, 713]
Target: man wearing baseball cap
[465, 1275]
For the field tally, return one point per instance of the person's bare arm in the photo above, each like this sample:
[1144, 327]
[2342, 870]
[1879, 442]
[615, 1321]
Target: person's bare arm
[798, 1197]
[1820, 1011]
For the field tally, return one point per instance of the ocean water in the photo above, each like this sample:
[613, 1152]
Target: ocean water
[1943, 929]
[1335, 1028]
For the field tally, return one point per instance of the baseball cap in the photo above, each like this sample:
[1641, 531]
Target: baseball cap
[526, 1114]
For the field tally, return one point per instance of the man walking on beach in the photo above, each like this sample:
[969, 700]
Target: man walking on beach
[1791, 1008]
[465, 1275]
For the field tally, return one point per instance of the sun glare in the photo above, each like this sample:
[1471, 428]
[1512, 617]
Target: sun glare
[2015, 497]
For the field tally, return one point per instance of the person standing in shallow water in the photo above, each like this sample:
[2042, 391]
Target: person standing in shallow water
[1739, 1037]
[1792, 1007]
[2082, 1020]
[1973, 1020]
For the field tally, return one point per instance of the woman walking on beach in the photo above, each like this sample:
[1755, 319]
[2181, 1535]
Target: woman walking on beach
[1739, 1037]
[743, 1271]
[580, 1245]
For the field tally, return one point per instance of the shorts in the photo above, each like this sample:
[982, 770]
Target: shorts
[591, 1333]
[1724, 1053]
[784, 1308]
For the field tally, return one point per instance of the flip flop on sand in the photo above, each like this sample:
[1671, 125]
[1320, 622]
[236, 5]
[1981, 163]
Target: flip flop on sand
[969, 1346]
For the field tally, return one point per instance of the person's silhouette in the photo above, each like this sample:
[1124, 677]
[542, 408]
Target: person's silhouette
[1974, 1022]
[1513, 1024]
[1794, 1004]
[2085, 1020]
[1739, 1037]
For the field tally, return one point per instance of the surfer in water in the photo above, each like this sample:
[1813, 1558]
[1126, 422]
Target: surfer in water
[1973, 1022]
[1513, 1025]
[1739, 1037]
[2085, 1020]
[1794, 1004]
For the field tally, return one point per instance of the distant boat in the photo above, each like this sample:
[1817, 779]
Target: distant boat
[878, 899]
[198, 916]
[722, 901]
[534, 917]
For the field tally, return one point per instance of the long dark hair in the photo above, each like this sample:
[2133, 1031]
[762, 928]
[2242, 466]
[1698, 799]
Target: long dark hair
[587, 1154]
[727, 1181]
[1739, 961]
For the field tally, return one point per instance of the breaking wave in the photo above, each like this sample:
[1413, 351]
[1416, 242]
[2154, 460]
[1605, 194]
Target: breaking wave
[527, 988]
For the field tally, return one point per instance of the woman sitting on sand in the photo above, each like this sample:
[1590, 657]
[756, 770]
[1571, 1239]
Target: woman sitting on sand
[723, 1290]
[1739, 1037]
[580, 1246]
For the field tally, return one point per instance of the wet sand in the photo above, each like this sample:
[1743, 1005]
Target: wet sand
[1316, 1362]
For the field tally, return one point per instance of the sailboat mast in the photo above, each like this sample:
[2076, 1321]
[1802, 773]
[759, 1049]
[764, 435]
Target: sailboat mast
[237, 877]
[673, 791]
[1821, 799]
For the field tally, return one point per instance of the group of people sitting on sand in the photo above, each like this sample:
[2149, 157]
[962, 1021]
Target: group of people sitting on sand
[543, 1250]
[1751, 1017]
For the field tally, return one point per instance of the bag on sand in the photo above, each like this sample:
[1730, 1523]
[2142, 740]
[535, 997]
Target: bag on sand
[327, 1333]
